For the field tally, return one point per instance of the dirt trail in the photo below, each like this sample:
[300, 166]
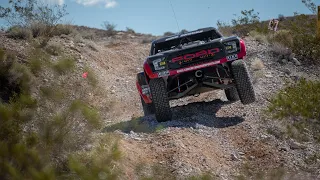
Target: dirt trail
[207, 133]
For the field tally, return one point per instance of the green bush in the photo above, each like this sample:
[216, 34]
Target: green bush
[300, 103]
[64, 65]
[18, 32]
[63, 29]
[130, 30]
[110, 28]
[283, 37]
[37, 60]
[54, 49]
[308, 47]
[168, 33]
[44, 138]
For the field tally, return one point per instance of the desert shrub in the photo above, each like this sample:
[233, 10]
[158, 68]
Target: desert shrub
[53, 48]
[110, 28]
[62, 29]
[205, 176]
[92, 46]
[281, 17]
[241, 25]
[280, 49]
[130, 30]
[44, 137]
[183, 31]
[101, 163]
[14, 77]
[168, 33]
[308, 47]
[247, 21]
[18, 32]
[248, 171]
[154, 171]
[78, 38]
[257, 64]
[302, 29]
[283, 37]
[52, 93]
[224, 28]
[25, 13]
[37, 60]
[90, 35]
[299, 102]
[258, 36]
[147, 39]
[64, 65]
[39, 18]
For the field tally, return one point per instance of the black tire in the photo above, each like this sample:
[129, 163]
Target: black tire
[232, 94]
[160, 100]
[243, 82]
[148, 109]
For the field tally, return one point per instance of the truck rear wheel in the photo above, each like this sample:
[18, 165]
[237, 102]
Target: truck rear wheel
[160, 100]
[243, 82]
[232, 94]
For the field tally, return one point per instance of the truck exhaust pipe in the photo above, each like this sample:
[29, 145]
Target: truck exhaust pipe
[198, 74]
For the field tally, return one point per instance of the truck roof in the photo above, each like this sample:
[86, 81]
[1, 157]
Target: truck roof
[176, 36]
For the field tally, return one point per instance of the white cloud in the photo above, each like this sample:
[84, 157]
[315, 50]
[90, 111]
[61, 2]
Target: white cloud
[106, 3]
[59, 2]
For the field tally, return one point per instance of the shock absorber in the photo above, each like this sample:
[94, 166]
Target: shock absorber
[178, 84]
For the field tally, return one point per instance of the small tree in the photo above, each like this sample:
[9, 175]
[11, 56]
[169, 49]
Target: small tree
[247, 17]
[130, 30]
[310, 5]
[110, 27]
[24, 13]
[281, 17]
[248, 21]
[183, 31]
[168, 33]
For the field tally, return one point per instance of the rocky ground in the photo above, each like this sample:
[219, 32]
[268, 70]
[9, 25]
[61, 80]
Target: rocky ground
[207, 133]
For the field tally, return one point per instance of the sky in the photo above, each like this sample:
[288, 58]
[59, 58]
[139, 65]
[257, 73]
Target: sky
[156, 16]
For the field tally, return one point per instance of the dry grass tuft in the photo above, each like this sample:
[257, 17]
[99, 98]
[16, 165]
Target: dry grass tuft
[257, 64]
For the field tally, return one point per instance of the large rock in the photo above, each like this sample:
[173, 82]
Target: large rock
[295, 145]
[296, 62]
[291, 56]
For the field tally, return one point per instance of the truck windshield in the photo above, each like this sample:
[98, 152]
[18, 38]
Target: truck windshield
[182, 41]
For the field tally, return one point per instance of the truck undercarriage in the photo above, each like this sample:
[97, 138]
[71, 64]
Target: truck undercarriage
[190, 64]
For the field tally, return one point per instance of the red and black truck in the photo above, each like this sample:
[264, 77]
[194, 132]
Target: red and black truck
[192, 63]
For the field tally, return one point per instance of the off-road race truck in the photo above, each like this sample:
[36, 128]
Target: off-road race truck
[192, 63]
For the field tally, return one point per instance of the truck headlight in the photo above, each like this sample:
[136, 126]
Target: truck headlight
[159, 64]
[231, 47]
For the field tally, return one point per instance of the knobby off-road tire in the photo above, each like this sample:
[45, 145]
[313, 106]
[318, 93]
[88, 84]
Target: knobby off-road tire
[160, 100]
[243, 82]
[232, 94]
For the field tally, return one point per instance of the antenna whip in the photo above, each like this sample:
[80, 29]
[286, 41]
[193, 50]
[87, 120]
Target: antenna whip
[175, 17]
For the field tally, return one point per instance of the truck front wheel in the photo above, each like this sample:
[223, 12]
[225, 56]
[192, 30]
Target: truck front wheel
[243, 82]
[160, 100]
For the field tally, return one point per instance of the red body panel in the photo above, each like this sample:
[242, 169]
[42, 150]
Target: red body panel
[152, 75]
[144, 97]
